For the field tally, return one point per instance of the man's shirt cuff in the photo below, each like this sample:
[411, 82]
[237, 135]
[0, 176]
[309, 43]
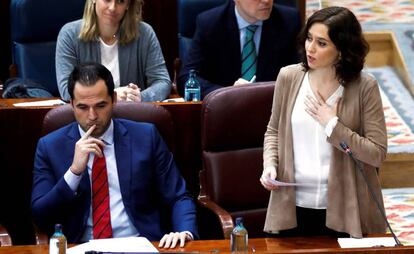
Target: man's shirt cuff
[72, 180]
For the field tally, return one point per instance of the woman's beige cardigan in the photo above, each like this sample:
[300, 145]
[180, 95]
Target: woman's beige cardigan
[361, 125]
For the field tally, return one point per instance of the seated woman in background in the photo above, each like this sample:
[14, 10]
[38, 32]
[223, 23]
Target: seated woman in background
[112, 33]
[317, 105]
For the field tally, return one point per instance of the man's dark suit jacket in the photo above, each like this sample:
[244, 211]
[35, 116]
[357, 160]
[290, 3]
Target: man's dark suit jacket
[148, 177]
[215, 51]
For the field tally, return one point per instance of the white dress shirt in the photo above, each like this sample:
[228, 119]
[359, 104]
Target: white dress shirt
[122, 226]
[312, 153]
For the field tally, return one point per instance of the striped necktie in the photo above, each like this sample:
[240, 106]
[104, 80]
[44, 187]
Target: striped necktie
[102, 227]
[249, 57]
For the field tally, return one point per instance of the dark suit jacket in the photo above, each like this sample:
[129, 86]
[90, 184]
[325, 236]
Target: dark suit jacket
[215, 51]
[149, 180]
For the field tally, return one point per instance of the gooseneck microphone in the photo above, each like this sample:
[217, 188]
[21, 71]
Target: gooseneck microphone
[348, 151]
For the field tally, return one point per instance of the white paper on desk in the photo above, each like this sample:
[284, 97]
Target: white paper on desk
[181, 99]
[366, 242]
[54, 102]
[125, 244]
[282, 184]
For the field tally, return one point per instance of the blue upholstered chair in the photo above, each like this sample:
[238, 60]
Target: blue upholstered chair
[187, 14]
[35, 25]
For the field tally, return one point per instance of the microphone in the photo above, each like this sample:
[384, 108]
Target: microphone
[348, 151]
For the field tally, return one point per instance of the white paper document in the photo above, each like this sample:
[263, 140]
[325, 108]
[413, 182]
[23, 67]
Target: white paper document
[281, 184]
[366, 242]
[181, 99]
[126, 244]
[45, 103]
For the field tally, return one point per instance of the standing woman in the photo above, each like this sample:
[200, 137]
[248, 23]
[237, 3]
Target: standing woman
[317, 105]
[112, 33]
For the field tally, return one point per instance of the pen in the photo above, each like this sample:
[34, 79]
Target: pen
[253, 79]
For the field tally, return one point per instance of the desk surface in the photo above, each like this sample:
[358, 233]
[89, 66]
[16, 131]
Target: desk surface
[8, 103]
[260, 245]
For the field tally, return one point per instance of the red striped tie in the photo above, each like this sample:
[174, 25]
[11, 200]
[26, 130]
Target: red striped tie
[100, 200]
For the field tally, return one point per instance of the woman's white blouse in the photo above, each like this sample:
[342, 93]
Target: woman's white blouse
[312, 153]
[109, 59]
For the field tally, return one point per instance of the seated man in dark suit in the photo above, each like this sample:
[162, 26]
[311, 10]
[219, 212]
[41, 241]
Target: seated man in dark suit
[102, 177]
[241, 42]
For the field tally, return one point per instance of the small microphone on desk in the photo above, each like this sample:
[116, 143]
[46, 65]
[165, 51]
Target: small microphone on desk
[348, 151]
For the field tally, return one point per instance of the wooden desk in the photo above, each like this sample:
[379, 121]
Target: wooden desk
[259, 245]
[20, 129]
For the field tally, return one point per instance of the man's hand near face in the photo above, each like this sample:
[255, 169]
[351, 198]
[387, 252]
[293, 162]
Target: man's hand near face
[85, 145]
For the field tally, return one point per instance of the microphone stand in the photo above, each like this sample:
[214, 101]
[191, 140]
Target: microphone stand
[348, 151]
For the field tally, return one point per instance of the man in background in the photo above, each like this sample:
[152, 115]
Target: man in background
[241, 42]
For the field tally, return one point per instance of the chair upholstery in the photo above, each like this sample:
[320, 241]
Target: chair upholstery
[5, 239]
[188, 11]
[234, 121]
[139, 112]
[35, 25]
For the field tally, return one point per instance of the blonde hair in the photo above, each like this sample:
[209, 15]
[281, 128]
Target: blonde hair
[128, 30]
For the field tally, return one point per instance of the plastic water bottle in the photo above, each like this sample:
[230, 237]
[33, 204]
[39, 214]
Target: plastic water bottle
[239, 238]
[58, 243]
[192, 90]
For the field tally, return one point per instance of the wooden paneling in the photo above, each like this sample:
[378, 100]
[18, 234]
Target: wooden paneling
[398, 169]
[384, 50]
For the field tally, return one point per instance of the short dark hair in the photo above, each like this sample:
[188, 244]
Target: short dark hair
[87, 74]
[345, 32]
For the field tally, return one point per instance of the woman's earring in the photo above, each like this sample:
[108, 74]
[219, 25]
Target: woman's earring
[94, 2]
